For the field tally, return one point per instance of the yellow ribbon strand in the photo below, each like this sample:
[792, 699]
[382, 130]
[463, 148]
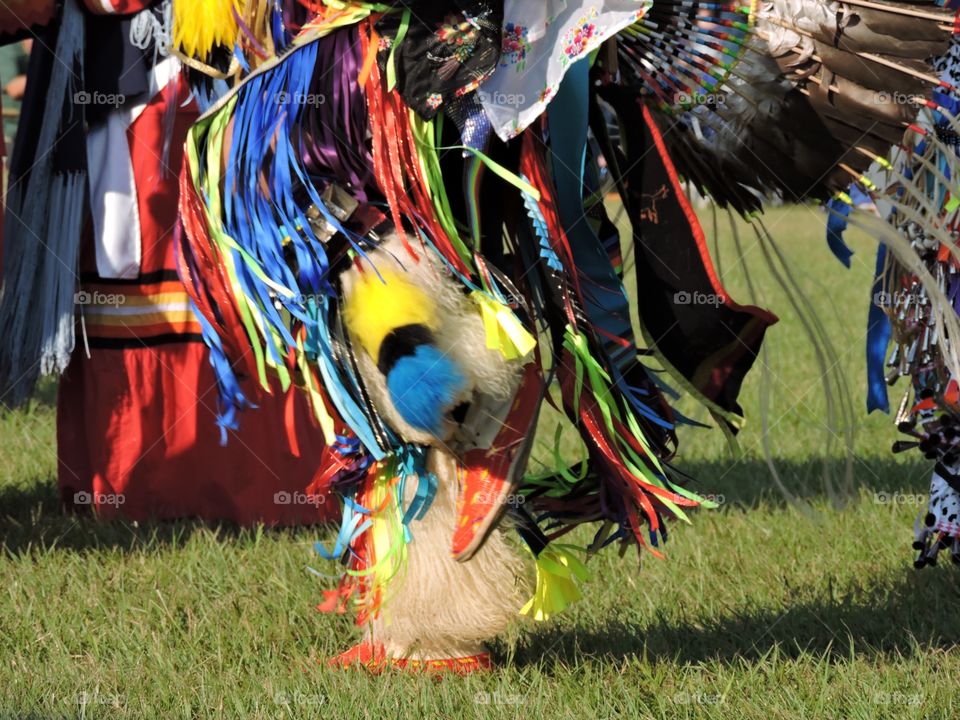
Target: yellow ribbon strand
[504, 331]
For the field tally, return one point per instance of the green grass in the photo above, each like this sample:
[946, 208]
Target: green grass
[763, 608]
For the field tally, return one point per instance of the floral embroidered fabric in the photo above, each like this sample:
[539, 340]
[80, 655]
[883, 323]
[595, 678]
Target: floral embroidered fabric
[540, 41]
[447, 50]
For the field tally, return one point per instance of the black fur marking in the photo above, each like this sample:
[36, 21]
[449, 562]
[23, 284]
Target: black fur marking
[400, 342]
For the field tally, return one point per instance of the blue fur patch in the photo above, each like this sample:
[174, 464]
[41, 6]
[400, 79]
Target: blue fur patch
[423, 386]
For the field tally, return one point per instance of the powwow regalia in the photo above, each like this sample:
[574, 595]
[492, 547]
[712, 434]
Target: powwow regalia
[912, 327]
[916, 303]
[399, 210]
[91, 289]
[404, 214]
[416, 251]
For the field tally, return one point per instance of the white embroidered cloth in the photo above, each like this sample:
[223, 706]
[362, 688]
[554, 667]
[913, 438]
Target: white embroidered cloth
[541, 40]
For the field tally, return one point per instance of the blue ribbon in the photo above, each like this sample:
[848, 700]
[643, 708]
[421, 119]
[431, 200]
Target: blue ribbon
[838, 211]
[878, 338]
[605, 300]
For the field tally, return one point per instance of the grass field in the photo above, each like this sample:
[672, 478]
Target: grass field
[764, 608]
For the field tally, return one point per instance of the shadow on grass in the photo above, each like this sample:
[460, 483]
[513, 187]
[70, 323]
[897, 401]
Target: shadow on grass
[31, 514]
[892, 616]
[748, 481]
[915, 612]
[32, 517]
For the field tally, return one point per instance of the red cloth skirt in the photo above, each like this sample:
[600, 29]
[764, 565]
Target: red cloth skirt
[137, 436]
[136, 424]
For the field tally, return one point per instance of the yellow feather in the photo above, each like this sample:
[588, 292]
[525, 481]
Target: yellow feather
[376, 307]
[201, 25]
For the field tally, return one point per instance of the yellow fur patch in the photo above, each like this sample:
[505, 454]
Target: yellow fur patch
[201, 25]
[376, 307]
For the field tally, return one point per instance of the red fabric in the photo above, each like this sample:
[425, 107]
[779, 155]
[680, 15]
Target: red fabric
[373, 659]
[137, 430]
[136, 424]
[117, 7]
[158, 185]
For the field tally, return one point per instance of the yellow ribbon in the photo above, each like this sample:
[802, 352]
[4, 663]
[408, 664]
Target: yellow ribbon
[504, 331]
[557, 568]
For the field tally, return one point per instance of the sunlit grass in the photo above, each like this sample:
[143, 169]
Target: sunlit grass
[763, 608]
